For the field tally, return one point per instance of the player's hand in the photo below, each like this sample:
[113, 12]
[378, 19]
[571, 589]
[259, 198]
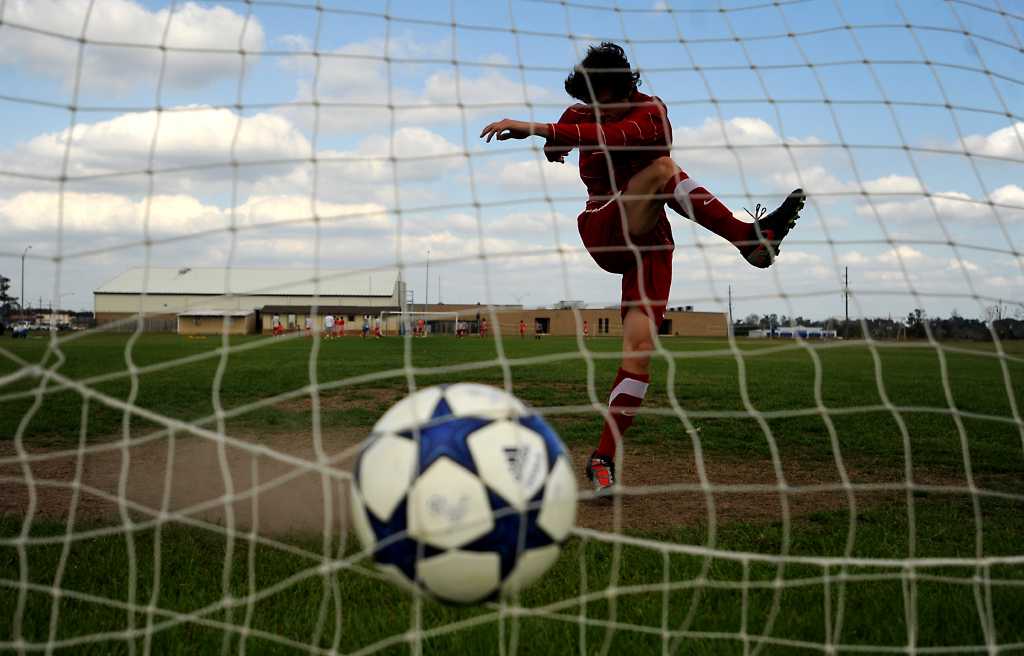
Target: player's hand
[507, 128]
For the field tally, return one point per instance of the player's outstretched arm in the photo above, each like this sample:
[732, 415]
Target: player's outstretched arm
[508, 128]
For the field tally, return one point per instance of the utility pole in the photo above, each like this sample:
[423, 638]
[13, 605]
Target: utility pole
[846, 300]
[730, 309]
[21, 299]
[426, 296]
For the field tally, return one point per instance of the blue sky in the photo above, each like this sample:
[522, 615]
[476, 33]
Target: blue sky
[900, 156]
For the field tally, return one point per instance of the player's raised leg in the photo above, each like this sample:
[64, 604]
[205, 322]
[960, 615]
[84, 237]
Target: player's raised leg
[663, 182]
[627, 394]
[759, 242]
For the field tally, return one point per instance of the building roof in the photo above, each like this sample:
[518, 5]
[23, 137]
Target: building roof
[251, 281]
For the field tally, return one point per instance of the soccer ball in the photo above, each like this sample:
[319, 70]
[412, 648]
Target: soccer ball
[463, 492]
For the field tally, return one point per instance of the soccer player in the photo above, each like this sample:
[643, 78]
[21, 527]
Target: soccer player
[366, 325]
[328, 326]
[586, 329]
[624, 138]
[339, 326]
[483, 327]
[522, 329]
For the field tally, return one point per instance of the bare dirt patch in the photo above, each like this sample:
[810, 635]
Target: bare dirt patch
[284, 493]
[277, 482]
[662, 508]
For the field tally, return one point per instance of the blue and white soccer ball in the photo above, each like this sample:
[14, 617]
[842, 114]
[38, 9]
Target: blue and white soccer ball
[463, 491]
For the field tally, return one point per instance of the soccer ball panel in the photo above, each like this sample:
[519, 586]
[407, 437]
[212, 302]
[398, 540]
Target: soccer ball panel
[474, 400]
[414, 410]
[529, 567]
[511, 459]
[360, 523]
[448, 506]
[558, 508]
[460, 576]
[386, 469]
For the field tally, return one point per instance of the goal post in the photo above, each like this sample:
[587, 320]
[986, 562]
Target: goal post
[434, 323]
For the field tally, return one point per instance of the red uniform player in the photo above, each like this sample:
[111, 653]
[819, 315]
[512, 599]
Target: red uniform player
[483, 327]
[522, 329]
[586, 329]
[624, 140]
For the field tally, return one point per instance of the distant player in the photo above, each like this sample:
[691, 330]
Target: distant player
[328, 326]
[377, 334]
[522, 329]
[366, 326]
[625, 138]
[309, 326]
[339, 326]
[483, 327]
[586, 329]
[421, 328]
[275, 325]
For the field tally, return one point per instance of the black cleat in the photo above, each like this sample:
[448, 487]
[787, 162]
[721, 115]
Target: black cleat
[601, 472]
[770, 230]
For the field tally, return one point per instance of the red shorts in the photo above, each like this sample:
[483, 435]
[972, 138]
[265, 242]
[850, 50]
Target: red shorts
[645, 286]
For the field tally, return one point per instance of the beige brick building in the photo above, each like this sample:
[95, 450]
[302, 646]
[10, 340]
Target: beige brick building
[601, 322]
[197, 299]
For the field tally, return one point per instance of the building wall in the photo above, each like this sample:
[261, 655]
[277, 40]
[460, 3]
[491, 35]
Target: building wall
[353, 325]
[151, 323]
[564, 322]
[215, 325]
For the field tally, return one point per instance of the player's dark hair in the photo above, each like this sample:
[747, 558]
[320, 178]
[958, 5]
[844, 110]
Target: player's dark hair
[604, 68]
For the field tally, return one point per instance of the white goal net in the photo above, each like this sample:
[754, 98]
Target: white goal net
[238, 170]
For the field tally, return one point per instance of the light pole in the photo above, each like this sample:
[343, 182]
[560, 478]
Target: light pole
[21, 301]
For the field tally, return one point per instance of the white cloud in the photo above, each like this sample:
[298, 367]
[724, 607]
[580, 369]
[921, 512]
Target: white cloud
[950, 205]
[966, 265]
[1009, 194]
[194, 147]
[893, 184]
[534, 175]
[420, 155]
[119, 69]
[356, 76]
[124, 217]
[1005, 142]
[187, 137]
[904, 253]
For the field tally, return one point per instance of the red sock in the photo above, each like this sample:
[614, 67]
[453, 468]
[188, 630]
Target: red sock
[628, 393]
[694, 201]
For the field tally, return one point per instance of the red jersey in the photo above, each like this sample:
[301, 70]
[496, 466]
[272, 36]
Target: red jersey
[632, 137]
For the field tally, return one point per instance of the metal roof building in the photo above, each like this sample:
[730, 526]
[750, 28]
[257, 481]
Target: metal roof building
[161, 294]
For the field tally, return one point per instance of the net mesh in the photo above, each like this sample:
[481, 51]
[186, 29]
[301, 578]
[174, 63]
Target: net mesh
[341, 137]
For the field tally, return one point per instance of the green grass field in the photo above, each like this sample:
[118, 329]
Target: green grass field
[950, 413]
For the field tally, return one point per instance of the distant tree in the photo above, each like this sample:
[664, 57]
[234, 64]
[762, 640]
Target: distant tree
[915, 323]
[8, 304]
